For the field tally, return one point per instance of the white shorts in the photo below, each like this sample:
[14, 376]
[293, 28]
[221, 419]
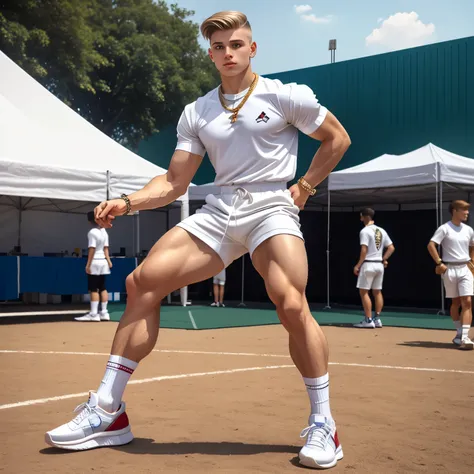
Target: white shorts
[458, 281]
[370, 276]
[239, 219]
[100, 267]
[218, 281]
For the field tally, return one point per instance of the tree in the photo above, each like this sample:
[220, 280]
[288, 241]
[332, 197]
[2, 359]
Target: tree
[128, 66]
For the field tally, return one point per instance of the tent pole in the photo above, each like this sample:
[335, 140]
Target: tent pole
[328, 306]
[107, 190]
[441, 221]
[20, 218]
[243, 283]
[184, 213]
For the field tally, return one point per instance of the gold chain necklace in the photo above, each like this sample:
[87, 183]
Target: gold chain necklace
[235, 111]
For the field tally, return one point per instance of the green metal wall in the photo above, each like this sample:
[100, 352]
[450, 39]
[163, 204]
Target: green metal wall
[389, 103]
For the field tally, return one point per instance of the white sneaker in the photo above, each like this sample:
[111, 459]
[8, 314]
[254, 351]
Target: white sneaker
[215, 305]
[92, 428]
[221, 305]
[322, 449]
[365, 324]
[466, 344]
[457, 341]
[104, 316]
[377, 322]
[89, 317]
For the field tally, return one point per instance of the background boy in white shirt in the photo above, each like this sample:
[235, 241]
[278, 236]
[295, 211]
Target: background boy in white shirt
[97, 267]
[457, 243]
[376, 247]
[218, 284]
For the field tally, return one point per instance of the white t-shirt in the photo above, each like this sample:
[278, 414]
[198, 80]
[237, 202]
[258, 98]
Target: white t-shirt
[98, 238]
[376, 240]
[455, 241]
[262, 145]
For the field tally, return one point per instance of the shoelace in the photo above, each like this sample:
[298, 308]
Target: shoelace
[318, 435]
[84, 410]
[238, 194]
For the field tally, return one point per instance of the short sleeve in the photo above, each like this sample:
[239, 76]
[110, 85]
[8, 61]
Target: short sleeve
[106, 242]
[364, 238]
[388, 240]
[471, 242]
[188, 139]
[439, 235]
[301, 108]
[92, 238]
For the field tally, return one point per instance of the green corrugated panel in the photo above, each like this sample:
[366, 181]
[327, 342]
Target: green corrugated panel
[389, 103]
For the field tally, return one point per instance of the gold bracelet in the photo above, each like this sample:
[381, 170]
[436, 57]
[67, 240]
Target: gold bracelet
[306, 186]
[127, 202]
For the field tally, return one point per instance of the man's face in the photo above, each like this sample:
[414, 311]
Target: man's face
[231, 50]
[461, 214]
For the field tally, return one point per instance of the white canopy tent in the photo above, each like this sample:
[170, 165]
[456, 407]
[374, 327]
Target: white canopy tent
[426, 175]
[53, 159]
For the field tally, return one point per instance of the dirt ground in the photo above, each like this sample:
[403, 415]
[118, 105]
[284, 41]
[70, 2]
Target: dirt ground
[239, 405]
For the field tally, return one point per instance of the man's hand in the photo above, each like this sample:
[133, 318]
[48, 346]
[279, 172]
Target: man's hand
[106, 211]
[110, 263]
[441, 269]
[385, 263]
[88, 269]
[299, 196]
[356, 270]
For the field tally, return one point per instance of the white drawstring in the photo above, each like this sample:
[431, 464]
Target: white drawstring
[238, 194]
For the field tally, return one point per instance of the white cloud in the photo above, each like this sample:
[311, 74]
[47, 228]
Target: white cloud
[316, 19]
[379, 20]
[399, 31]
[303, 8]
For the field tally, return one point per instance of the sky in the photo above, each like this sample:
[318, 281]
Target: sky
[294, 35]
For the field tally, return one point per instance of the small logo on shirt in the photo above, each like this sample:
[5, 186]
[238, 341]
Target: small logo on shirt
[263, 117]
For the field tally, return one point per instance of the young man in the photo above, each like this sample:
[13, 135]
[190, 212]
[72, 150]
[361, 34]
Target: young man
[456, 267]
[97, 267]
[375, 250]
[249, 128]
[218, 287]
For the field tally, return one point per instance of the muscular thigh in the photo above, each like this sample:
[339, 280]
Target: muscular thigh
[282, 262]
[177, 260]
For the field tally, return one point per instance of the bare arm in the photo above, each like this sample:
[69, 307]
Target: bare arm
[159, 192]
[107, 256]
[388, 252]
[471, 253]
[334, 143]
[163, 190]
[363, 255]
[433, 250]
[90, 256]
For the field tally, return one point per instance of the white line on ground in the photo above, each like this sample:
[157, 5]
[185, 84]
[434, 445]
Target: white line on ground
[41, 313]
[148, 380]
[343, 364]
[192, 320]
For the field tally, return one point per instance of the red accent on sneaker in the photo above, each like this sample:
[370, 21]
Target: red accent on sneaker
[120, 423]
[336, 440]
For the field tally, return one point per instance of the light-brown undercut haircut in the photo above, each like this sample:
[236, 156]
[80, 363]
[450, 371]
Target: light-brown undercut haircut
[221, 21]
[458, 206]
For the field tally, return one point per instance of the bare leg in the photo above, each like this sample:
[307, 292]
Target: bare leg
[466, 310]
[221, 293]
[281, 261]
[378, 297]
[178, 259]
[366, 302]
[454, 311]
[104, 296]
[94, 295]
[216, 293]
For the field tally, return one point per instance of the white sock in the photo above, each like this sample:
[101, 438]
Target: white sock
[465, 331]
[94, 307]
[458, 326]
[118, 371]
[104, 306]
[318, 391]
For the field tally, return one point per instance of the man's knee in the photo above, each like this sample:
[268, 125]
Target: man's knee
[466, 303]
[291, 309]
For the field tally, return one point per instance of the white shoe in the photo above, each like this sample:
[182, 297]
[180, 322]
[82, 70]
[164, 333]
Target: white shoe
[89, 317]
[322, 449]
[104, 316]
[466, 344]
[457, 341]
[365, 324]
[221, 305]
[377, 322]
[215, 305]
[92, 428]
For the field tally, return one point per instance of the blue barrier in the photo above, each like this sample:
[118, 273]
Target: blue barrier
[67, 276]
[9, 278]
